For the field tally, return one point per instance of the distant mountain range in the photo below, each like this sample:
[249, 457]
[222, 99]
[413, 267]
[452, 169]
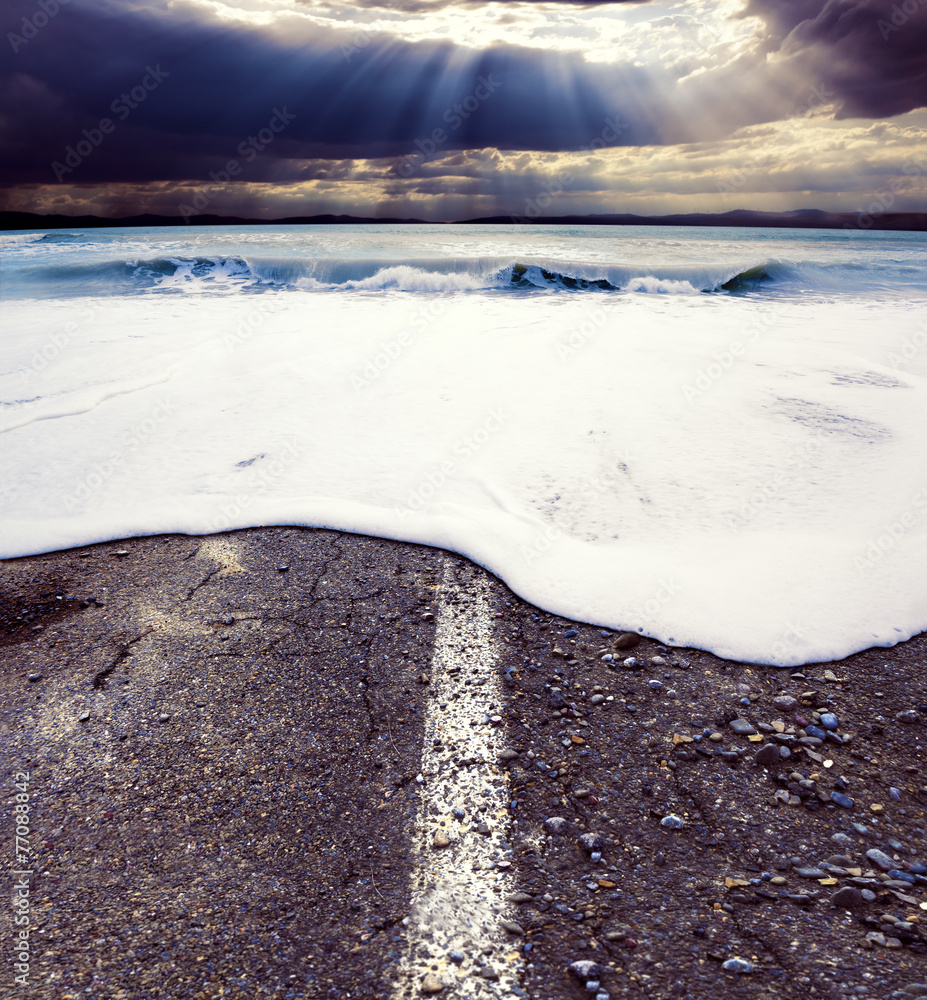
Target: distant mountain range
[805, 218]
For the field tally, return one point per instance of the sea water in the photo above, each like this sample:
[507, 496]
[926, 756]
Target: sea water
[717, 437]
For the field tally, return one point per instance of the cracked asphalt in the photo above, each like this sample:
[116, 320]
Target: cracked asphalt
[223, 736]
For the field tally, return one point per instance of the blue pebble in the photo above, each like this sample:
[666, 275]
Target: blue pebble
[902, 876]
[918, 868]
[570, 632]
[829, 720]
[895, 793]
[841, 800]
[817, 733]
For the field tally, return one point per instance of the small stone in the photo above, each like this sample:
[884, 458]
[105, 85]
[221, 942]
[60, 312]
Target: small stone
[511, 927]
[556, 824]
[868, 895]
[847, 897]
[655, 685]
[33, 678]
[84, 716]
[767, 756]
[915, 989]
[874, 937]
[742, 727]
[658, 661]
[431, 984]
[584, 969]
[672, 822]
[456, 957]
[122, 552]
[631, 662]
[785, 703]
[164, 717]
[909, 718]
[591, 841]
[880, 859]
[739, 965]
[829, 721]
[506, 755]
[811, 872]
[627, 640]
[441, 840]
[815, 732]
[597, 699]
[894, 793]
[841, 800]
[900, 876]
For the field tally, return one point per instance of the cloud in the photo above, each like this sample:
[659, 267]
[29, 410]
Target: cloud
[871, 53]
[810, 162]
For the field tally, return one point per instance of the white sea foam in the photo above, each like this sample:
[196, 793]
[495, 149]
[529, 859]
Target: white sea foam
[740, 473]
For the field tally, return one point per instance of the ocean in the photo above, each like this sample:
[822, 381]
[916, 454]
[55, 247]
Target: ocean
[716, 437]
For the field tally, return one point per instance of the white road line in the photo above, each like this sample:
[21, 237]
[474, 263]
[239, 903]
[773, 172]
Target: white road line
[454, 937]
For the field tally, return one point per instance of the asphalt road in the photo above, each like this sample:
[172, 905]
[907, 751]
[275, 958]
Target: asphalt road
[294, 763]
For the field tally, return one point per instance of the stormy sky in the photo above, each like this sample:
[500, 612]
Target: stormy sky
[452, 109]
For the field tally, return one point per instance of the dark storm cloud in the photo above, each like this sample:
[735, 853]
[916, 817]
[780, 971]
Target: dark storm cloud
[221, 85]
[871, 53]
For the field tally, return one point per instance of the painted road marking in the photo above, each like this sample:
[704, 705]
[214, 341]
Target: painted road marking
[453, 932]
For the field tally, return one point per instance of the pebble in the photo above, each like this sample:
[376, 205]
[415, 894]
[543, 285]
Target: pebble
[818, 734]
[909, 717]
[584, 969]
[441, 840]
[785, 703]
[34, 677]
[655, 685]
[591, 841]
[631, 662]
[847, 897]
[829, 721]
[742, 727]
[740, 965]
[627, 640]
[511, 927]
[556, 824]
[811, 872]
[841, 800]
[431, 984]
[880, 859]
[672, 822]
[767, 756]
[901, 876]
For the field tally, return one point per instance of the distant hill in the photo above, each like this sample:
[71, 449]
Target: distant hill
[805, 218]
